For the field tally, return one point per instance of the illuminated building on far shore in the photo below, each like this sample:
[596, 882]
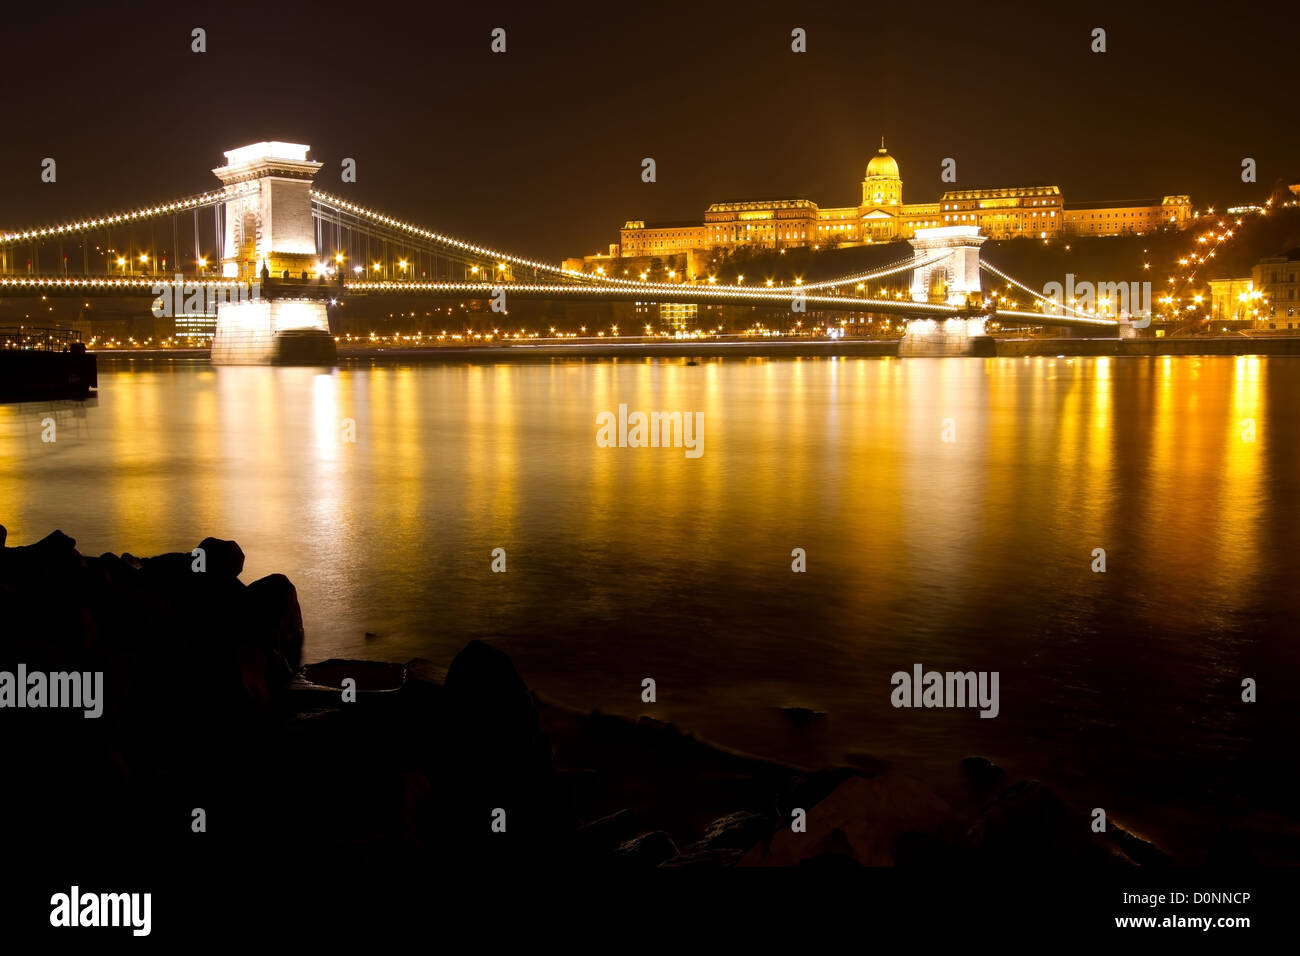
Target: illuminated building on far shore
[1128, 217]
[1009, 212]
[198, 327]
[1277, 281]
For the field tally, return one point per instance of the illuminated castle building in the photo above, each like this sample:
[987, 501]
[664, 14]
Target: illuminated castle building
[1001, 213]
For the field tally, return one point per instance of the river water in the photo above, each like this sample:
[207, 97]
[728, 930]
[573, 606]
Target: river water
[950, 511]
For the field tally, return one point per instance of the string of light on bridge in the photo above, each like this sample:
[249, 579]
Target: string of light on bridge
[131, 282]
[328, 200]
[1082, 315]
[690, 292]
[112, 219]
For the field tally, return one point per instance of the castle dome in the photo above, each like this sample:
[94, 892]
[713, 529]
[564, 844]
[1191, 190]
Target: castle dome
[882, 164]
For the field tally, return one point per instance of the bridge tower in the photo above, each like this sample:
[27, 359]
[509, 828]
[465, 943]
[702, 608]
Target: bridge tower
[952, 280]
[269, 230]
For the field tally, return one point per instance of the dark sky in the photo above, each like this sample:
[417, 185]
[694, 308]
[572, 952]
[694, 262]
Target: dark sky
[539, 150]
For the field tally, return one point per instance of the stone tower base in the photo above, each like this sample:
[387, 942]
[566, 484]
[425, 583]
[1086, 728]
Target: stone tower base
[273, 332]
[927, 337]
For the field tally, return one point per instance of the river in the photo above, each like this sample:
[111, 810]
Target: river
[950, 511]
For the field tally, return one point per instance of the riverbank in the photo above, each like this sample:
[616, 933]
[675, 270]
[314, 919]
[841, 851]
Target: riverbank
[842, 348]
[209, 722]
[1279, 345]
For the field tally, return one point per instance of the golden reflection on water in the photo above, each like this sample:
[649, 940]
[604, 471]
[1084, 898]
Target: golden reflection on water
[974, 552]
[1051, 458]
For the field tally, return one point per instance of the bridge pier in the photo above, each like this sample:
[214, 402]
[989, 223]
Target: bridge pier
[273, 332]
[270, 233]
[938, 338]
[951, 279]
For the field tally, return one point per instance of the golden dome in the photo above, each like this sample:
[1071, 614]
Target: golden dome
[882, 164]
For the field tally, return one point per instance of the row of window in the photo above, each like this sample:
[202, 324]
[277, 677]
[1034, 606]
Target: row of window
[1121, 226]
[1036, 202]
[1147, 213]
[974, 218]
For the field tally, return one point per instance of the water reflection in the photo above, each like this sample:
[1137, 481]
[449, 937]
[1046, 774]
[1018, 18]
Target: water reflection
[626, 563]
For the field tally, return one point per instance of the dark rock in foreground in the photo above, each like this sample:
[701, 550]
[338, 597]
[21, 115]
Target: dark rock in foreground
[380, 766]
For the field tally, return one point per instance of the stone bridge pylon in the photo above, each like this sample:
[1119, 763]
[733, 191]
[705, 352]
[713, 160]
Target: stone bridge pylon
[951, 280]
[270, 234]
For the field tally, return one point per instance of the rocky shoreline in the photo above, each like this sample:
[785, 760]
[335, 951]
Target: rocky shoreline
[388, 766]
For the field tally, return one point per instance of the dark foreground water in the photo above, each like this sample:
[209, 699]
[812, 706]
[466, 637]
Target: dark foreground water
[1122, 688]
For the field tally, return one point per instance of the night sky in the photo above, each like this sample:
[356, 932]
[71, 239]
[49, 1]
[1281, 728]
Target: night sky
[539, 150]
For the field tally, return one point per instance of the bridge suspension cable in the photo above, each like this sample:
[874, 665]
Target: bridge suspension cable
[1041, 298]
[77, 227]
[686, 293]
[336, 205]
[893, 268]
[902, 265]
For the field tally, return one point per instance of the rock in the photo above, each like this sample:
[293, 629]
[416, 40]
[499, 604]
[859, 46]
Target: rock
[1144, 852]
[736, 831]
[4, 533]
[369, 675]
[606, 835]
[496, 754]
[56, 542]
[171, 566]
[647, 850]
[866, 821]
[224, 558]
[110, 570]
[873, 766]
[491, 707]
[52, 556]
[274, 620]
[814, 788]
[714, 858]
[981, 773]
[581, 787]
[422, 669]
[802, 715]
[1029, 824]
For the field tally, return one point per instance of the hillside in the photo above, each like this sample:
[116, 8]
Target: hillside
[1035, 263]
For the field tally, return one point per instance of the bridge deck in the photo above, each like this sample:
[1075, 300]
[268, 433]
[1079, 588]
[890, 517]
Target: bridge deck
[329, 287]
